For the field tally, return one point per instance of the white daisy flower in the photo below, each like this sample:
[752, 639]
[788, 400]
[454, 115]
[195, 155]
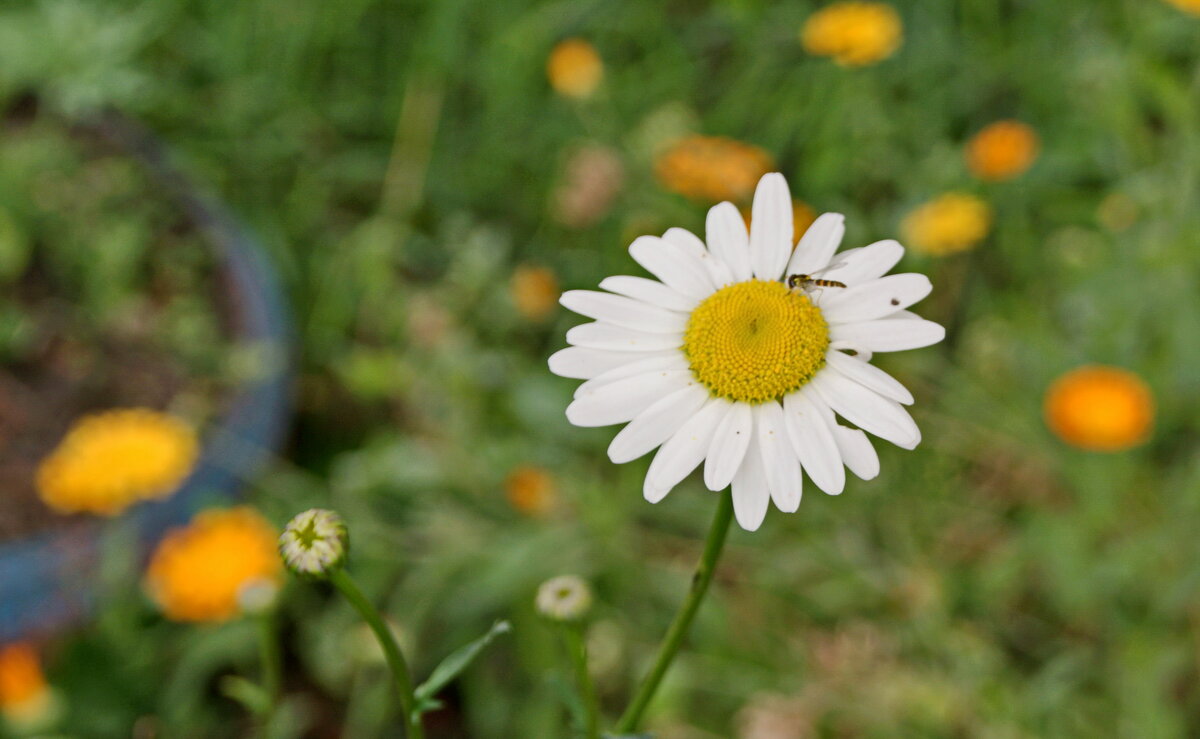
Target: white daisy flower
[719, 361]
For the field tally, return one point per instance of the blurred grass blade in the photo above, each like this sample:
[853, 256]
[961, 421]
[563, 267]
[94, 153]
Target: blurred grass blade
[456, 662]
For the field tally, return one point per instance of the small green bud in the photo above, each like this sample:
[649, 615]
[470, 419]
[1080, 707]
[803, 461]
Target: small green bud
[314, 543]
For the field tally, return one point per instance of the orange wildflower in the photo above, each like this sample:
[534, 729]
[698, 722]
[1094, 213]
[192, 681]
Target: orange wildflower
[534, 291]
[1002, 151]
[854, 34]
[199, 571]
[531, 490]
[1100, 408]
[712, 168]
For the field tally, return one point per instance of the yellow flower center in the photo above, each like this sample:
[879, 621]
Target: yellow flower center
[755, 341]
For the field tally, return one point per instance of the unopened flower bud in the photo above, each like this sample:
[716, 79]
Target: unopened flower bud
[314, 543]
[564, 598]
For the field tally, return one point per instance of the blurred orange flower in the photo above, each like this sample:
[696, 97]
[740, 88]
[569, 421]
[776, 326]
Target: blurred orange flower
[574, 68]
[1187, 6]
[531, 490]
[802, 217]
[712, 168]
[1002, 150]
[1100, 408]
[854, 34]
[948, 224]
[534, 291]
[110, 460]
[25, 699]
[199, 571]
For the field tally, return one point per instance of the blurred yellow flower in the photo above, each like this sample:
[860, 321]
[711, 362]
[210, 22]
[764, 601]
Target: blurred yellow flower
[854, 34]
[574, 68]
[948, 224]
[802, 217]
[1100, 408]
[198, 571]
[534, 291]
[1002, 150]
[531, 490]
[712, 168]
[1187, 6]
[111, 460]
[25, 700]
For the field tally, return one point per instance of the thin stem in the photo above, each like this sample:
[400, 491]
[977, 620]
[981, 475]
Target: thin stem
[271, 663]
[683, 620]
[391, 650]
[587, 691]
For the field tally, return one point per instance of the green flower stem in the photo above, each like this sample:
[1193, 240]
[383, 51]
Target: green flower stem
[683, 620]
[271, 662]
[395, 659]
[587, 691]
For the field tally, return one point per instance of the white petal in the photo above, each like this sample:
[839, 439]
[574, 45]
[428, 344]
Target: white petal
[649, 291]
[865, 263]
[643, 362]
[718, 271]
[869, 376]
[887, 335]
[779, 459]
[684, 451]
[728, 447]
[601, 335]
[750, 493]
[620, 401]
[857, 452]
[656, 424]
[875, 298]
[582, 363]
[671, 264]
[622, 311]
[866, 409]
[771, 227]
[813, 442]
[728, 241]
[817, 245]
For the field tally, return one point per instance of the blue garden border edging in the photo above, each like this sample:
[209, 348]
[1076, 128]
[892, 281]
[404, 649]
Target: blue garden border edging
[46, 581]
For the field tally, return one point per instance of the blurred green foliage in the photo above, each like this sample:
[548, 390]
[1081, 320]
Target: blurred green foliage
[400, 158]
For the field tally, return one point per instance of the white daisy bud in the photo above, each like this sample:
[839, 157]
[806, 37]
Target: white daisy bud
[314, 543]
[564, 598]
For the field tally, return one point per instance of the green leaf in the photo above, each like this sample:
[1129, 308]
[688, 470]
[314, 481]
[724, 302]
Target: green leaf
[253, 697]
[456, 662]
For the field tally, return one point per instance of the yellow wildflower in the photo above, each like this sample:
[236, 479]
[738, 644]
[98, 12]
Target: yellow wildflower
[111, 460]
[854, 34]
[534, 291]
[530, 490]
[712, 168]
[198, 571]
[1100, 408]
[574, 68]
[1002, 150]
[948, 224]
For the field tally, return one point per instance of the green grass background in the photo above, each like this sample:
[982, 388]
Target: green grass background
[395, 156]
